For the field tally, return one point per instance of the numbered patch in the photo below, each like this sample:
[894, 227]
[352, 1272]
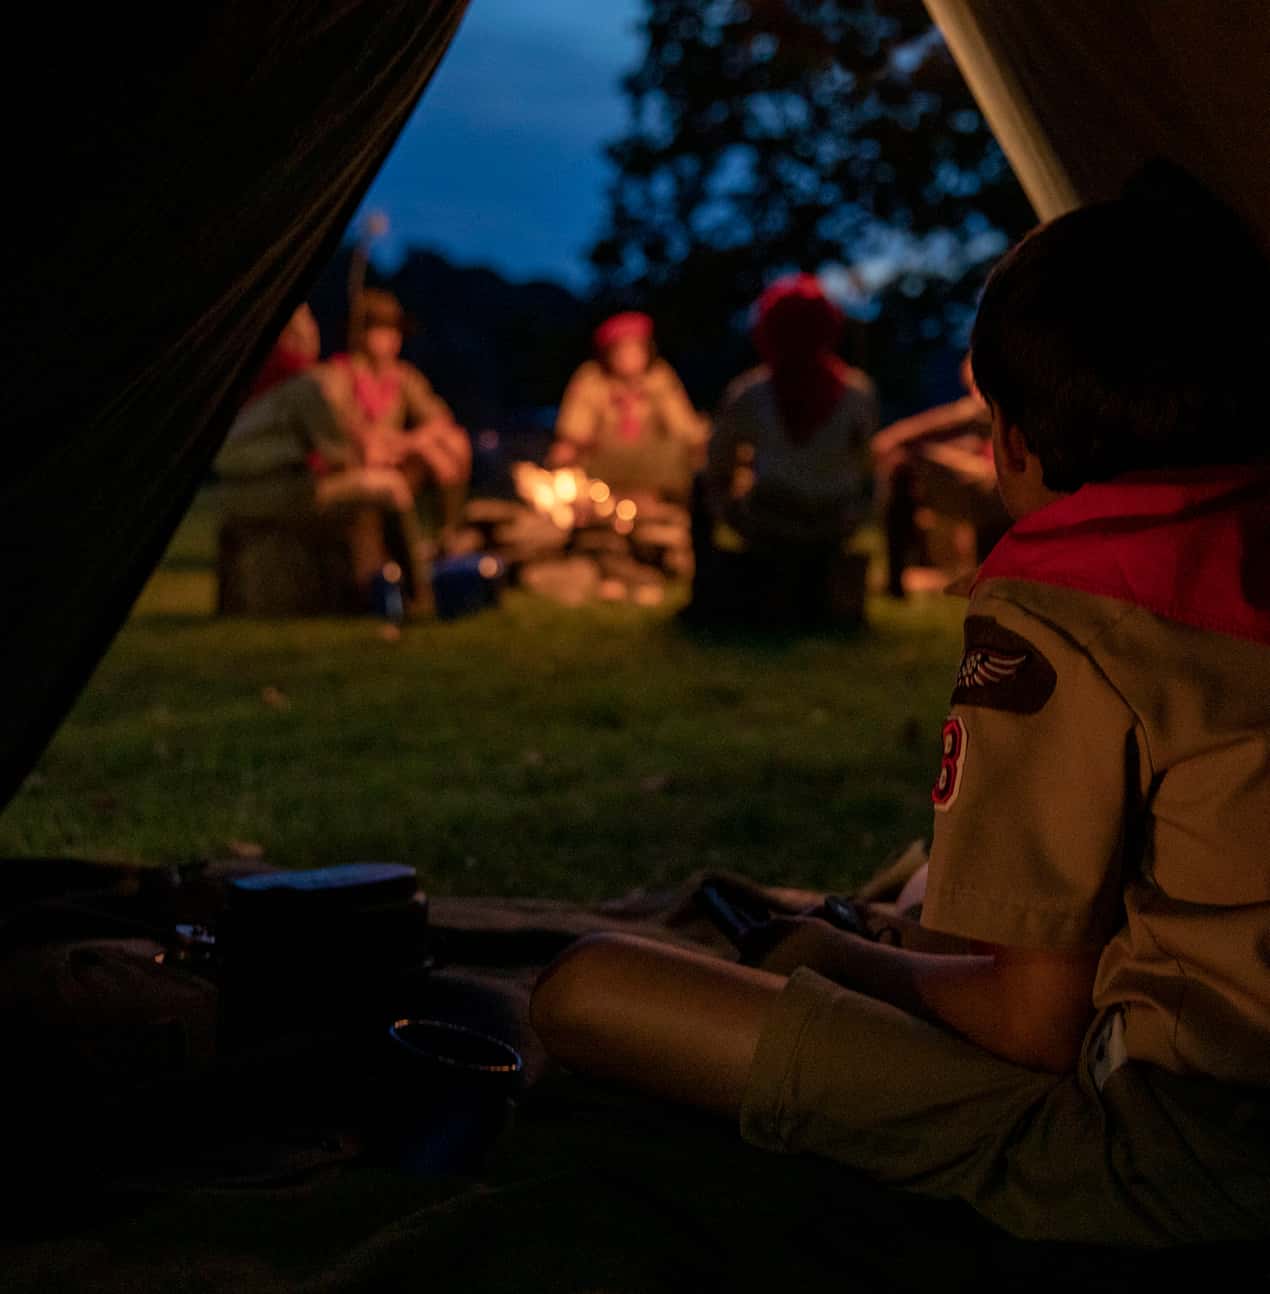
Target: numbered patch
[952, 760]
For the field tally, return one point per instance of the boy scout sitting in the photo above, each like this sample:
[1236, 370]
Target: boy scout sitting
[1094, 1065]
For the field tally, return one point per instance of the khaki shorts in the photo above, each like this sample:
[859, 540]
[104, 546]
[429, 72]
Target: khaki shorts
[1151, 1158]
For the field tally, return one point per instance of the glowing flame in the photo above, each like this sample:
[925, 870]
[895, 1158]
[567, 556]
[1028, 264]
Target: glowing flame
[566, 486]
[567, 495]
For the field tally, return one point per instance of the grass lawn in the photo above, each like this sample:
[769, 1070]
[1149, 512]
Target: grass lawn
[530, 750]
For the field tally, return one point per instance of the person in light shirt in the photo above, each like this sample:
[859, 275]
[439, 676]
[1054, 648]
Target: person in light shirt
[404, 423]
[625, 417]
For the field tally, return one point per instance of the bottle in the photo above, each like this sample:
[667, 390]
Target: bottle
[387, 596]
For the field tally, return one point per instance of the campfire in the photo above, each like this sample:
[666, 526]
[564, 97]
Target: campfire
[575, 539]
[570, 498]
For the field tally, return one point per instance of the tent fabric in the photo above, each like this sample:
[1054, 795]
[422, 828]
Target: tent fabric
[177, 179]
[1080, 94]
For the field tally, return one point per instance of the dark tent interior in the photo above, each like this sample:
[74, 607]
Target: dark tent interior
[193, 174]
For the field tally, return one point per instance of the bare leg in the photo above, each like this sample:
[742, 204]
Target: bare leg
[676, 1024]
[453, 499]
[386, 488]
[369, 550]
[441, 457]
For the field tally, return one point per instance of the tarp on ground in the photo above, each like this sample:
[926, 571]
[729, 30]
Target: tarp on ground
[175, 179]
[252, 1176]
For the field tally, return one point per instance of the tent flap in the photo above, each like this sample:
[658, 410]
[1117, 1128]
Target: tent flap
[1080, 94]
[184, 182]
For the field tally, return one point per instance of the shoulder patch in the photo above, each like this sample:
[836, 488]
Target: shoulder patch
[1002, 670]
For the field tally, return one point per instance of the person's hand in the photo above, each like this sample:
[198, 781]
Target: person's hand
[888, 454]
[783, 944]
[380, 455]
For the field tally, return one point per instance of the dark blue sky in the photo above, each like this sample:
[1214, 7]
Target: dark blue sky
[502, 163]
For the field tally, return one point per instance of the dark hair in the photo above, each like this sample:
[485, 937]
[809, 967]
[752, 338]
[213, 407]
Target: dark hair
[1130, 335]
[375, 308]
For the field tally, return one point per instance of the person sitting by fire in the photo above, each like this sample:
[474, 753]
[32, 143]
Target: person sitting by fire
[910, 475]
[296, 449]
[788, 470]
[625, 417]
[297, 349]
[404, 424]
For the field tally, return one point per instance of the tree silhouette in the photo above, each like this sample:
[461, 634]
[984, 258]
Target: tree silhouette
[798, 134]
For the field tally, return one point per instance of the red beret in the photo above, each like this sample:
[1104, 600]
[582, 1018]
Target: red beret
[794, 318]
[628, 326]
[796, 287]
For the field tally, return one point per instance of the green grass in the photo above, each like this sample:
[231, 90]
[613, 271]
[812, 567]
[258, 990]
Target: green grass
[534, 750]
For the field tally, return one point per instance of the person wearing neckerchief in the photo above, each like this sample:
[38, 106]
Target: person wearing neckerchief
[405, 424]
[625, 417]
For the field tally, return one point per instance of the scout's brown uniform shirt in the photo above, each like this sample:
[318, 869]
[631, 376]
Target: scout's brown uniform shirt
[1105, 779]
[590, 418]
[660, 458]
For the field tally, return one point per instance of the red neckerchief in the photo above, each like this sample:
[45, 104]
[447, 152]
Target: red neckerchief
[629, 399]
[1191, 545]
[377, 394]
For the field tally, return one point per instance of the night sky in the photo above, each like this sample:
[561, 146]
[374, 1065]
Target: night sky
[502, 163]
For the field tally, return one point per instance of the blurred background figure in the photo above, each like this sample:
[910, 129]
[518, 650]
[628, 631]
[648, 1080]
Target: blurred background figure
[295, 457]
[939, 460]
[625, 417]
[299, 347]
[403, 423]
[789, 471]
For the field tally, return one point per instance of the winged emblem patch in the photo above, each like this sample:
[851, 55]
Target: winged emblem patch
[981, 666]
[1002, 670]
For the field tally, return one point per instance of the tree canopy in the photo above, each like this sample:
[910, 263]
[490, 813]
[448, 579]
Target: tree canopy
[822, 135]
